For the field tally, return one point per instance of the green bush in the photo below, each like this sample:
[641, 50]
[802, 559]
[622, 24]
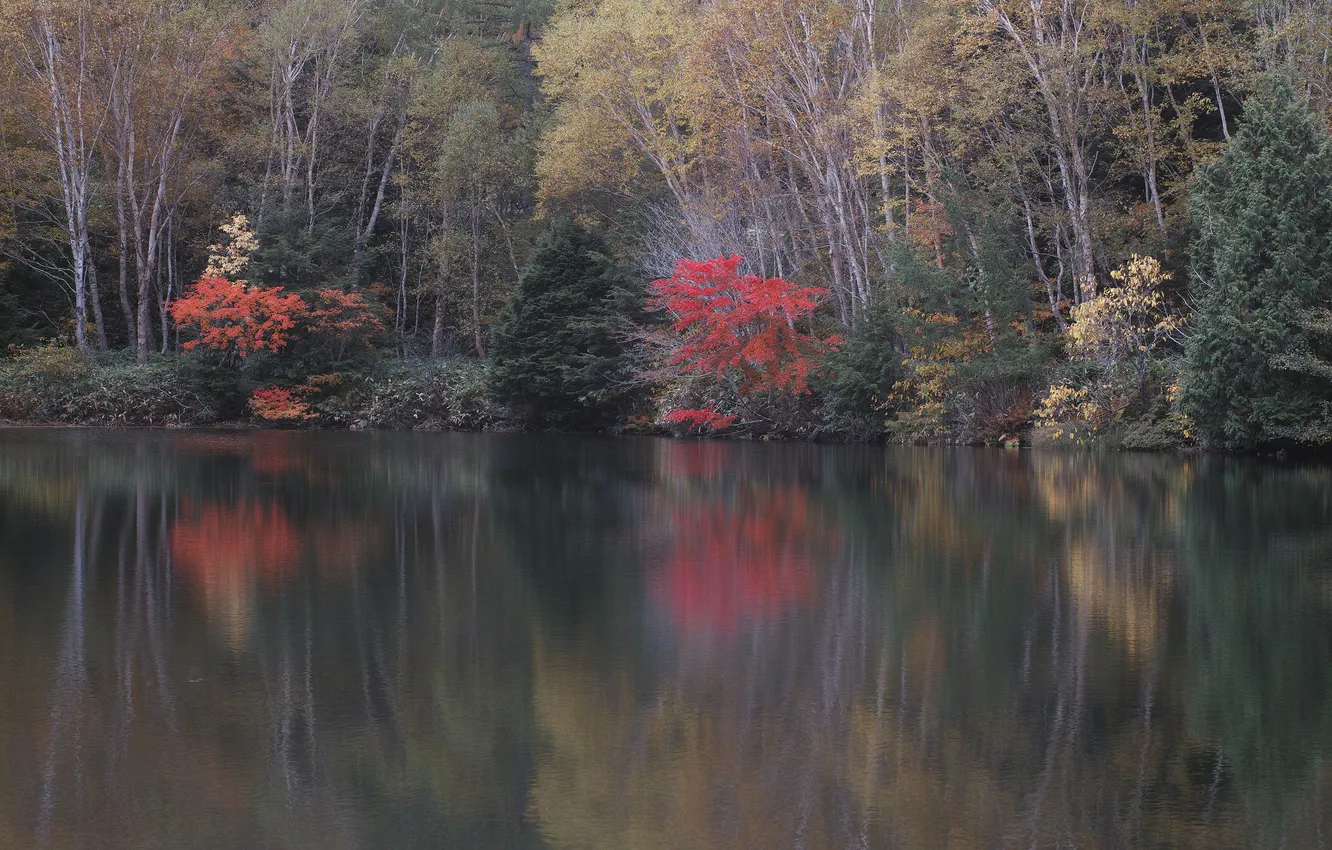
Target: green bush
[35, 379]
[118, 391]
[431, 395]
[56, 383]
[861, 375]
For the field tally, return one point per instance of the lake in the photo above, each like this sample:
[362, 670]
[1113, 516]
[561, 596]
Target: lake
[338, 640]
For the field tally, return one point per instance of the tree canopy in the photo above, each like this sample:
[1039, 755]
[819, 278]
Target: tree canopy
[558, 356]
[1262, 277]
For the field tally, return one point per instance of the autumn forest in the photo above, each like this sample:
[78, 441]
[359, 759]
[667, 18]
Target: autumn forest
[1018, 222]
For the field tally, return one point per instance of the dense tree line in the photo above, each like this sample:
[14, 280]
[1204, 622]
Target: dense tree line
[366, 142]
[1049, 220]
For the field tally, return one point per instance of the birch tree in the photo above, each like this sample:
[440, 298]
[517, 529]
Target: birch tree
[53, 42]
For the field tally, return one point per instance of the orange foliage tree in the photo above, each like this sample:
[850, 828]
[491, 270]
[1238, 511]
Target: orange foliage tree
[740, 328]
[234, 317]
[279, 404]
[341, 321]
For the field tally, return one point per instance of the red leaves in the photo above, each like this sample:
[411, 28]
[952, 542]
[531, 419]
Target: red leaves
[700, 419]
[742, 328]
[234, 316]
[745, 324]
[343, 314]
[278, 404]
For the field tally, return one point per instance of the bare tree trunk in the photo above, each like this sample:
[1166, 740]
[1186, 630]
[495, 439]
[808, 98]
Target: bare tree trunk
[437, 332]
[404, 254]
[476, 279]
[1050, 291]
[97, 306]
[1056, 38]
[122, 227]
[148, 234]
[371, 136]
[72, 132]
[382, 190]
[1151, 156]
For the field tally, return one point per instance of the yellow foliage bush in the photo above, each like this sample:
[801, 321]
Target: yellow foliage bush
[229, 258]
[1117, 330]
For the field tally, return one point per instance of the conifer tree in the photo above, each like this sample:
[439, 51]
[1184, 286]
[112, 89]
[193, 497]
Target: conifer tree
[558, 360]
[1262, 273]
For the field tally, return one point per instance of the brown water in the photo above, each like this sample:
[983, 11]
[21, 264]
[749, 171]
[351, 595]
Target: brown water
[292, 640]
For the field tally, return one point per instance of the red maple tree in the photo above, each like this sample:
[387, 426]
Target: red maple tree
[234, 317]
[740, 326]
[343, 319]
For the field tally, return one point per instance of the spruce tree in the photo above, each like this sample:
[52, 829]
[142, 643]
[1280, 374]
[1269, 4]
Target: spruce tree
[1262, 275]
[558, 358]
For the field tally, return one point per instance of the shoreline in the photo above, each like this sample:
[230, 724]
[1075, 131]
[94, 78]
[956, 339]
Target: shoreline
[1095, 447]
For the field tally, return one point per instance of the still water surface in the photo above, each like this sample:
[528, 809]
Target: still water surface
[292, 640]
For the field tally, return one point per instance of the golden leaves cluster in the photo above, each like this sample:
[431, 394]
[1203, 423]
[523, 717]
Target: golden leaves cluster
[1127, 321]
[230, 257]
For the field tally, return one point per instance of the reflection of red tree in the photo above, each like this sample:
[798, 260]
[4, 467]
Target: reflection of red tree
[226, 550]
[697, 459]
[218, 543]
[738, 564]
[274, 453]
[271, 453]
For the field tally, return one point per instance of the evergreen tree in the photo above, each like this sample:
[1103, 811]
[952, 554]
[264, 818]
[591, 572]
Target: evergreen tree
[558, 360]
[862, 372]
[1262, 264]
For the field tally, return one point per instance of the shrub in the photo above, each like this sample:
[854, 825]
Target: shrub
[35, 378]
[434, 395]
[57, 384]
[339, 324]
[118, 391]
[279, 404]
[861, 375]
[702, 405]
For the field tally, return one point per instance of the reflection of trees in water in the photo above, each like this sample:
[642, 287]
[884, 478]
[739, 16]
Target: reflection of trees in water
[226, 550]
[445, 646]
[741, 745]
[1011, 675]
[367, 666]
[731, 563]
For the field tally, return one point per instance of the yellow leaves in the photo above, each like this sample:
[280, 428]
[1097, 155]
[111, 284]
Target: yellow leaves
[1117, 328]
[1124, 321]
[622, 75]
[1076, 414]
[229, 258]
[679, 83]
[583, 149]
[1065, 403]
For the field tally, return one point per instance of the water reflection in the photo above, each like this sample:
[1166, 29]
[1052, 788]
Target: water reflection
[739, 560]
[319, 640]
